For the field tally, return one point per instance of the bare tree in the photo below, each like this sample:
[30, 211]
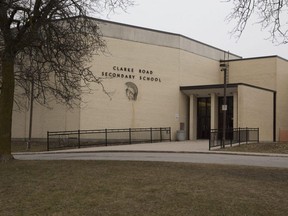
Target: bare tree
[47, 43]
[272, 15]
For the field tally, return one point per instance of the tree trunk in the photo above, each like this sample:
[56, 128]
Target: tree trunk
[6, 106]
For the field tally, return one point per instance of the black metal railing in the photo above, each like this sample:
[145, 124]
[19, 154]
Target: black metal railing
[233, 136]
[105, 137]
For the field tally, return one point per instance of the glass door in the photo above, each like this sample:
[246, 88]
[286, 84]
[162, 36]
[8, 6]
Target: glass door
[203, 118]
[229, 115]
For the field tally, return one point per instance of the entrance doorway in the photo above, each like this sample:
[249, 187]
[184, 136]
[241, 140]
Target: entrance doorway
[203, 118]
[229, 112]
[229, 115]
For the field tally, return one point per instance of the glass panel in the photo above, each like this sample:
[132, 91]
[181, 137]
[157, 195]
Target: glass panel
[203, 118]
[229, 112]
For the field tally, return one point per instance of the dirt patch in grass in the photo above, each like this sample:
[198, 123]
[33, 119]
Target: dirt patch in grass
[278, 148]
[140, 188]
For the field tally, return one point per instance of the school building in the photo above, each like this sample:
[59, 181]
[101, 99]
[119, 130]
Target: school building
[161, 79]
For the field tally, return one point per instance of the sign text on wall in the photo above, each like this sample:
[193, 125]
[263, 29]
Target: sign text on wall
[132, 74]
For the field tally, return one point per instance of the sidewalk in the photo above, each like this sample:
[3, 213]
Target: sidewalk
[197, 146]
[183, 146]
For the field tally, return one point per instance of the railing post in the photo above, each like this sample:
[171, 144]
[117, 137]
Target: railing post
[239, 135]
[231, 136]
[48, 140]
[170, 133]
[106, 137]
[210, 139]
[247, 133]
[151, 135]
[130, 136]
[258, 139]
[79, 142]
[160, 134]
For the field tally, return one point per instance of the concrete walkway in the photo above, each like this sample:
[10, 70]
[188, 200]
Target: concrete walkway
[184, 151]
[197, 146]
[228, 159]
[183, 146]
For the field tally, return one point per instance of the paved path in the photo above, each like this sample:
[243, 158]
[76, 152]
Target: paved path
[263, 161]
[185, 151]
[183, 146]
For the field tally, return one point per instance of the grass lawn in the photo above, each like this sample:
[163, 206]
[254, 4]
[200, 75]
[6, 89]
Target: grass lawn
[279, 148]
[140, 188]
[21, 146]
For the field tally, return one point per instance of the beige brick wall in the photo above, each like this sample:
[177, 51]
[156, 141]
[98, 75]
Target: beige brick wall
[20, 121]
[255, 110]
[198, 70]
[260, 72]
[159, 104]
[56, 117]
[282, 95]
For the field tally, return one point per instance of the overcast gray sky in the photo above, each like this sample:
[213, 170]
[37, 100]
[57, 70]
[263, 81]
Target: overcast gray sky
[203, 21]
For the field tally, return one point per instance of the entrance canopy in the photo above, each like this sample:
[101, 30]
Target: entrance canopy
[207, 90]
[248, 106]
